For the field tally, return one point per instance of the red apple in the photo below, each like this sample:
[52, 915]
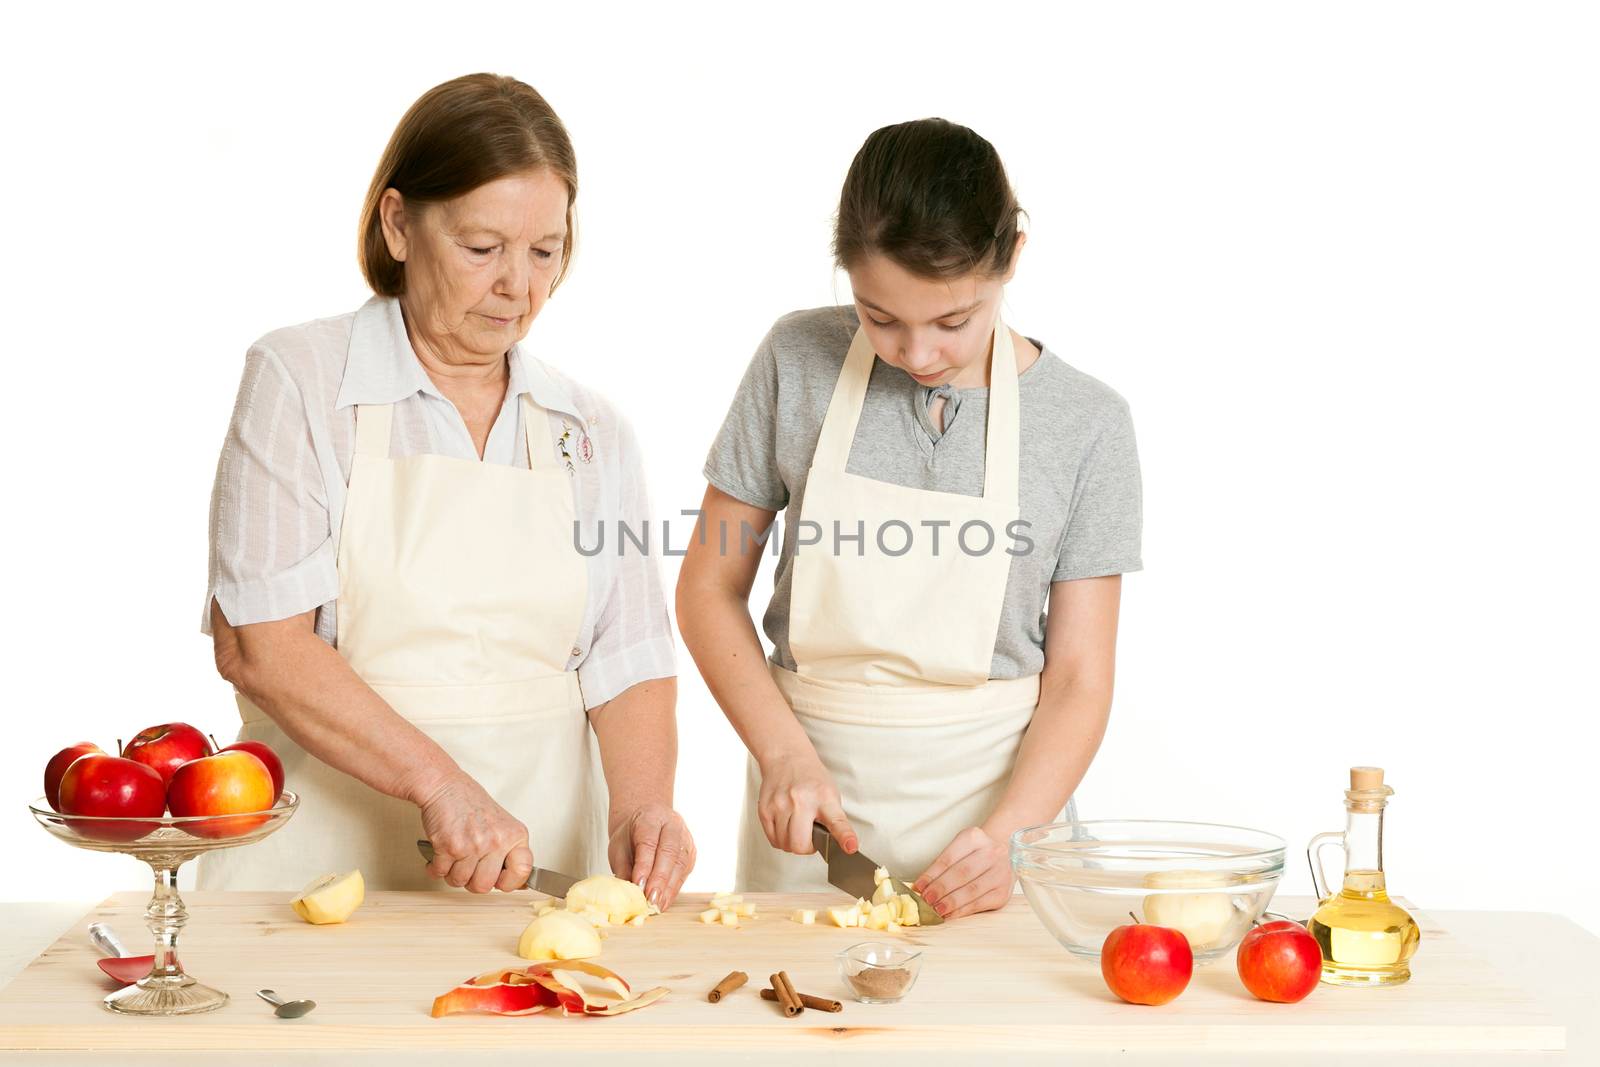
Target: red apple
[1146, 964]
[263, 752]
[113, 788]
[167, 747]
[1280, 961]
[58, 766]
[229, 783]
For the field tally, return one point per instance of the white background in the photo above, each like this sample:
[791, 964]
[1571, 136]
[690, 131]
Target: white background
[1341, 260]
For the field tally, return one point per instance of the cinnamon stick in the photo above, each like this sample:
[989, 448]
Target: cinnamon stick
[820, 1003]
[786, 994]
[734, 980]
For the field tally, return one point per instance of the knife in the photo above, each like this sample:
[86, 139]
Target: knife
[853, 874]
[551, 883]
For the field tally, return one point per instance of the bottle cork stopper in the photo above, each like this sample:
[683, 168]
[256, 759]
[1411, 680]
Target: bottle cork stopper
[1364, 778]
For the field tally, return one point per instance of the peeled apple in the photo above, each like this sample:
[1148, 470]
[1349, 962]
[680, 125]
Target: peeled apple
[560, 935]
[1204, 918]
[618, 900]
[331, 898]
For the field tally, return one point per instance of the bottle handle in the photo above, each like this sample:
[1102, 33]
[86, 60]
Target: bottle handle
[1319, 878]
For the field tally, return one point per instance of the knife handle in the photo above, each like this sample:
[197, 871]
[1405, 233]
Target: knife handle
[821, 840]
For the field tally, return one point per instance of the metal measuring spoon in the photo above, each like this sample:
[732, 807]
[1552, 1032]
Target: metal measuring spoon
[285, 1009]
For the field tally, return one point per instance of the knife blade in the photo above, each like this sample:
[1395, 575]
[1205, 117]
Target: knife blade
[853, 874]
[542, 880]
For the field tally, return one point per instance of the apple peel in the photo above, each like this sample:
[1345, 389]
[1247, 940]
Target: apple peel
[578, 988]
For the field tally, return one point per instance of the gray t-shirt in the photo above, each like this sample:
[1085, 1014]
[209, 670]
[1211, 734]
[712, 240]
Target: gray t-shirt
[1079, 477]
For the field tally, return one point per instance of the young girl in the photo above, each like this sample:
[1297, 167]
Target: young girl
[945, 480]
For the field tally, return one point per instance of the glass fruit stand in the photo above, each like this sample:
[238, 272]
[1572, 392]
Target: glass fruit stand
[165, 843]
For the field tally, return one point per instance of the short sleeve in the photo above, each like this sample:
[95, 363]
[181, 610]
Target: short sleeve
[272, 553]
[1103, 530]
[632, 639]
[743, 461]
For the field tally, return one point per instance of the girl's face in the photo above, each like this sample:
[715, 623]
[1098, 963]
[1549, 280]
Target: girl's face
[935, 329]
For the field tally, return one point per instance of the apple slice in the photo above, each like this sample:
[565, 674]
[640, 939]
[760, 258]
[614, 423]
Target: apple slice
[561, 935]
[333, 898]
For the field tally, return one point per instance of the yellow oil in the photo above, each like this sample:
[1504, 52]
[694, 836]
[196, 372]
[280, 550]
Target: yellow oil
[1366, 939]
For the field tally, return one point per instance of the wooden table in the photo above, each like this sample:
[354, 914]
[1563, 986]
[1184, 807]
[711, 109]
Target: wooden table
[1488, 987]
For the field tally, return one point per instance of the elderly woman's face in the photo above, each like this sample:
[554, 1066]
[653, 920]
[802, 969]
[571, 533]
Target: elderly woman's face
[479, 267]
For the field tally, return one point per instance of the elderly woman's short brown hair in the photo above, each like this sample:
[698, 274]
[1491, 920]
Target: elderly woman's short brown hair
[465, 133]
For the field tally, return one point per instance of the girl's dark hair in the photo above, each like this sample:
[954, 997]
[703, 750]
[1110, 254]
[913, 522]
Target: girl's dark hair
[458, 136]
[932, 196]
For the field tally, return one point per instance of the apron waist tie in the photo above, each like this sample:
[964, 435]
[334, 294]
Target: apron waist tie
[882, 705]
[541, 695]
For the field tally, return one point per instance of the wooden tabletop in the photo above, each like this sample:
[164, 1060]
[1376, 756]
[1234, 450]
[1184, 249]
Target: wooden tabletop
[992, 984]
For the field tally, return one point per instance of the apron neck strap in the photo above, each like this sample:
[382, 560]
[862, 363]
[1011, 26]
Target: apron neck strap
[1003, 452]
[1003, 441]
[535, 423]
[372, 429]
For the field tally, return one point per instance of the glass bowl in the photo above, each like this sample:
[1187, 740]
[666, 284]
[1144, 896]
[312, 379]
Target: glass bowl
[1084, 879]
[165, 843]
[878, 972]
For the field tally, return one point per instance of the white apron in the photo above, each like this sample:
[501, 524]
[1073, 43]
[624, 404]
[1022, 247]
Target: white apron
[893, 646]
[460, 597]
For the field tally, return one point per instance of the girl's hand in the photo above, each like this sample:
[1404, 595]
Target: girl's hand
[797, 791]
[972, 874]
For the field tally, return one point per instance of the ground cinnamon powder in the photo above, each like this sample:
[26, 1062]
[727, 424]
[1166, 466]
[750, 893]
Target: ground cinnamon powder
[881, 981]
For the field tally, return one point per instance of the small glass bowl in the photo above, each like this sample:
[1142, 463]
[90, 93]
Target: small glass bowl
[878, 972]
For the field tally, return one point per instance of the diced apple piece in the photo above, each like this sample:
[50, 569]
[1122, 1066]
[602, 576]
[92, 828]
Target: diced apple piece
[910, 915]
[880, 875]
[843, 917]
[637, 920]
[709, 915]
[745, 910]
[730, 917]
[804, 916]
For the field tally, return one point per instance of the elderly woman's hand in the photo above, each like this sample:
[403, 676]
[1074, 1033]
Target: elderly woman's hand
[476, 842]
[652, 848]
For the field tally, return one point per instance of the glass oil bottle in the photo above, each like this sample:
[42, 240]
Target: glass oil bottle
[1366, 938]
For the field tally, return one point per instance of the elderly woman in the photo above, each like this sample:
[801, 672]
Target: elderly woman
[396, 588]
